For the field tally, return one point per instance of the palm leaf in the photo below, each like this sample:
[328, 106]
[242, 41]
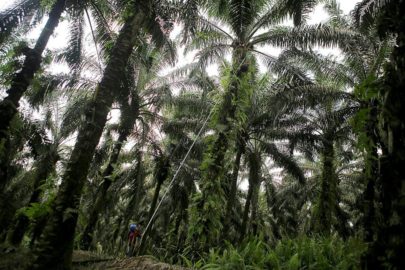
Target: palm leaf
[305, 36]
[20, 14]
[284, 161]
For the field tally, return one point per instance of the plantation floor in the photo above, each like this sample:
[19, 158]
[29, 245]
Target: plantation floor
[138, 263]
[19, 259]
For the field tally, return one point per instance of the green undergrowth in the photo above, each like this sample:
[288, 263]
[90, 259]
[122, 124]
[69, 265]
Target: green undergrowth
[289, 254]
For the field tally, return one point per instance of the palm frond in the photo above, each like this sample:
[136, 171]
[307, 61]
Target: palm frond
[20, 14]
[209, 34]
[189, 12]
[305, 36]
[42, 87]
[74, 50]
[211, 54]
[367, 12]
[298, 9]
[311, 95]
[282, 68]
[74, 114]
[242, 14]
[324, 66]
[337, 19]
[284, 161]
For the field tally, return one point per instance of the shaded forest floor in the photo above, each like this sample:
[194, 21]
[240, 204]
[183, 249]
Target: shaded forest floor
[87, 261]
[83, 260]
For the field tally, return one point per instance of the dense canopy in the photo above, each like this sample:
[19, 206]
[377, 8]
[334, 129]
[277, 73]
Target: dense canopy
[281, 145]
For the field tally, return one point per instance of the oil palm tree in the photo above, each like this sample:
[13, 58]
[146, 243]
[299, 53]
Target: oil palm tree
[185, 119]
[33, 134]
[44, 96]
[55, 247]
[147, 89]
[325, 114]
[389, 18]
[257, 149]
[233, 26]
[22, 14]
[49, 154]
[22, 79]
[361, 68]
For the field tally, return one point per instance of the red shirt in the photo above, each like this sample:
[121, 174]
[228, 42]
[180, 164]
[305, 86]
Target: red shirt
[133, 235]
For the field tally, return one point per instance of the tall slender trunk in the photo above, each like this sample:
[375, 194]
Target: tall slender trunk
[54, 250]
[205, 222]
[326, 205]
[161, 174]
[246, 212]
[45, 166]
[134, 203]
[254, 181]
[179, 219]
[87, 236]
[254, 222]
[372, 174]
[4, 164]
[388, 248]
[38, 228]
[21, 81]
[270, 201]
[234, 186]
[114, 235]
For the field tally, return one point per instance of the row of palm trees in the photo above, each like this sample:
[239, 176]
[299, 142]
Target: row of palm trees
[335, 114]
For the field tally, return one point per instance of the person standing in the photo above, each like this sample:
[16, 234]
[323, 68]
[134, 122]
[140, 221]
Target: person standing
[134, 237]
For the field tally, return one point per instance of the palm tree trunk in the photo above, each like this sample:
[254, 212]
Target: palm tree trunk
[38, 228]
[372, 174]
[134, 203]
[87, 236]
[45, 166]
[270, 201]
[254, 180]
[125, 127]
[205, 223]
[246, 212]
[254, 222]
[325, 208]
[54, 249]
[232, 192]
[388, 249]
[161, 174]
[21, 81]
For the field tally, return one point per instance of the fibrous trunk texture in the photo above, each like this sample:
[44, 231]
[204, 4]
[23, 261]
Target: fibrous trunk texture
[388, 249]
[251, 199]
[21, 81]
[326, 205]
[208, 207]
[45, 166]
[124, 132]
[161, 174]
[233, 188]
[54, 250]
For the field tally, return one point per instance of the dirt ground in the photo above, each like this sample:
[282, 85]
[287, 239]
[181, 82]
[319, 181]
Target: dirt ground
[138, 263]
[84, 260]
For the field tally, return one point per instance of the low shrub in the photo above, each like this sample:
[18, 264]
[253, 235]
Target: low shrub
[315, 253]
